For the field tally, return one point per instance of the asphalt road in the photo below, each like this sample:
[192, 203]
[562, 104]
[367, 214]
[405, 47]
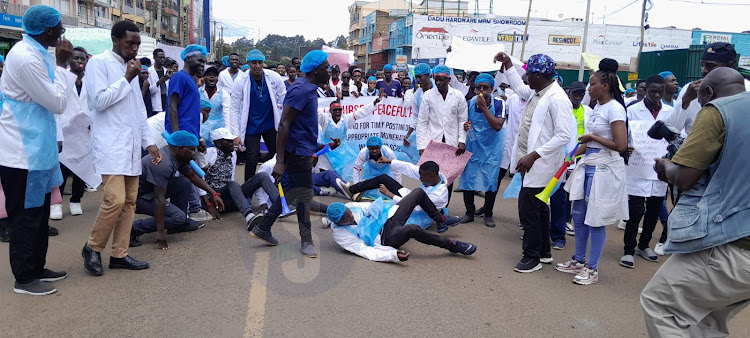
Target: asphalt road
[220, 282]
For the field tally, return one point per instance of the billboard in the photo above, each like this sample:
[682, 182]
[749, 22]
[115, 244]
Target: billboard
[431, 37]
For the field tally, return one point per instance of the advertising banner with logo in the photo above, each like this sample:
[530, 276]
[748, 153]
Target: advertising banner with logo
[562, 40]
[709, 38]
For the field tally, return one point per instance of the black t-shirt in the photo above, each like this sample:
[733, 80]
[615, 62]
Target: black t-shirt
[158, 174]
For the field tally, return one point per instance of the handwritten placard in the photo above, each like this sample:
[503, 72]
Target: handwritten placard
[445, 156]
[641, 162]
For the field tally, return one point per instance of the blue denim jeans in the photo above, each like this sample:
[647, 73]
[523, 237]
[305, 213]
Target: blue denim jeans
[558, 205]
[598, 234]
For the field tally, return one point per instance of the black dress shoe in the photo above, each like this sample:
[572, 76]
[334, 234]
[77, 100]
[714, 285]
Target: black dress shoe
[92, 260]
[134, 241]
[126, 263]
[52, 231]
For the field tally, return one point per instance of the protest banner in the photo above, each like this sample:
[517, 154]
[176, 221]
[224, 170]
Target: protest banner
[645, 149]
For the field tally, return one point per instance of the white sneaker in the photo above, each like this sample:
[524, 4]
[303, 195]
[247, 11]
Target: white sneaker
[90, 188]
[621, 225]
[659, 249]
[569, 229]
[75, 209]
[201, 216]
[326, 222]
[328, 191]
[55, 212]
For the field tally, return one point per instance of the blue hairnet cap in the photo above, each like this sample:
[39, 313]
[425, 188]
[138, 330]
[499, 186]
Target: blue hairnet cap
[422, 69]
[255, 55]
[335, 211]
[182, 138]
[629, 90]
[2, 59]
[245, 67]
[193, 49]
[312, 60]
[387, 67]
[441, 70]
[374, 141]
[38, 18]
[372, 78]
[665, 74]
[206, 104]
[485, 78]
[540, 63]
[225, 61]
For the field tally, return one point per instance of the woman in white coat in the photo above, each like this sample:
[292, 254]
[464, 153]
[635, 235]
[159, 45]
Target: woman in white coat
[597, 186]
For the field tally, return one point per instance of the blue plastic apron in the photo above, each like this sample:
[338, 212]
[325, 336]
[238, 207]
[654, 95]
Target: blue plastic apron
[342, 158]
[486, 146]
[371, 170]
[215, 118]
[421, 218]
[370, 224]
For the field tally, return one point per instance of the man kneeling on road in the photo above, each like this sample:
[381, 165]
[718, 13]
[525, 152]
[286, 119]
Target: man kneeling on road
[158, 182]
[220, 176]
[375, 231]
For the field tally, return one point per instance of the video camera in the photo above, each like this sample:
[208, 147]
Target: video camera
[661, 130]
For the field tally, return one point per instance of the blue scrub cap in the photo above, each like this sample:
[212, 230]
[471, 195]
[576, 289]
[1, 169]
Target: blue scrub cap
[372, 78]
[38, 18]
[2, 59]
[206, 104]
[245, 67]
[255, 55]
[182, 138]
[374, 141]
[540, 63]
[665, 74]
[225, 61]
[387, 67]
[312, 60]
[191, 50]
[485, 78]
[629, 90]
[335, 211]
[442, 70]
[422, 69]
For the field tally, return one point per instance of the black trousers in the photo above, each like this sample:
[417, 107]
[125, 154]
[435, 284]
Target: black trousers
[395, 231]
[27, 227]
[535, 218]
[300, 190]
[252, 152]
[78, 185]
[647, 208]
[375, 182]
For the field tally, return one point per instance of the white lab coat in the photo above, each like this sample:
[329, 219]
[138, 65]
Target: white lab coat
[640, 186]
[153, 78]
[325, 117]
[118, 116]
[352, 243]
[438, 196]
[156, 127]
[25, 79]
[553, 130]
[683, 119]
[364, 156]
[440, 118]
[608, 198]
[226, 81]
[514, 108]
[240, 106]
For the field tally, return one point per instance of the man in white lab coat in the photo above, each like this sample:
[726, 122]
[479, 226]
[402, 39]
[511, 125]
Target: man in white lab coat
[119, 132]
[547, 127]
[227, 76]
[29, 166]
[158, 77]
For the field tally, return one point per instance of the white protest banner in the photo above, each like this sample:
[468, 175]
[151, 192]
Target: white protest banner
[645, 149]
[469, 56]
[77, 154]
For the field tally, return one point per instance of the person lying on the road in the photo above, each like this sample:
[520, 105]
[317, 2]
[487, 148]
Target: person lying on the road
[433, 183]
[222, 161]
[158, 182]
[376, 230]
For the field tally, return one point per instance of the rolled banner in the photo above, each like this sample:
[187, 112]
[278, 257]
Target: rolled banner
[193, 165]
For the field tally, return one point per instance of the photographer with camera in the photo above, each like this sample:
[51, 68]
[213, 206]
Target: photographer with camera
[705, 282]
[646, 196]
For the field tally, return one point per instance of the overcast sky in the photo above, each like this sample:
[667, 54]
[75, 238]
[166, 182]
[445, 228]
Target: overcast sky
[330, 18]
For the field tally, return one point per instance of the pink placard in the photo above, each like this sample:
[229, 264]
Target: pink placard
[445, 156]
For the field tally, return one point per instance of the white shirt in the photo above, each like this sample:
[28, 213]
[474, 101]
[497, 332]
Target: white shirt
[156, 127]
[553, 129]
[600, 121]
[514, 112]
[118, 116]
[364, 156]
[351, 243]
[226, 81]
[438, 195]
[155, 89]
[25, 79]
[240, 104]
[640, 186]
[442, 118]
[683, 119]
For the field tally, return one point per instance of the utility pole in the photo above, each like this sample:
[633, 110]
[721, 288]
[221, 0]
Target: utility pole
[122, 15]
[585, 39]
[643, 33]
[213, 43]
[513, 43]
[525, 31]
[222, 41]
